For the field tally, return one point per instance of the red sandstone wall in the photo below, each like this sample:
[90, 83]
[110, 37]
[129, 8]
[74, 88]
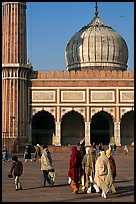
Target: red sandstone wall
[85, 74]
[83, 78]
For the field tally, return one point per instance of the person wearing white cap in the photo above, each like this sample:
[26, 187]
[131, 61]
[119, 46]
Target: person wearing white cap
[103, 175]
[38, 153]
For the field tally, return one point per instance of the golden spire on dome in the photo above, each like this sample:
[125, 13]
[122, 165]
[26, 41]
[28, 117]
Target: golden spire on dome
[96, 9]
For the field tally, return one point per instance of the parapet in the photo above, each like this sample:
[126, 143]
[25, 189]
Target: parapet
[91, 74]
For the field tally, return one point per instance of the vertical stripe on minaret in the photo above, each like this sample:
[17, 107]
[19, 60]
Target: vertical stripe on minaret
[14, 33]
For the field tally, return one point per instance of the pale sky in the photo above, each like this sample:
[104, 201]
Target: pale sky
[50, 25]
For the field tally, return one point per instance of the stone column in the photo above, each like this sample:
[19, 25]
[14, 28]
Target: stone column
[87, 133]
[117, 133]
[58, 134]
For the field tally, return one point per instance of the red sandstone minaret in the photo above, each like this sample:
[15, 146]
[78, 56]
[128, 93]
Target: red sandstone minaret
[14, 33]
[15, 76]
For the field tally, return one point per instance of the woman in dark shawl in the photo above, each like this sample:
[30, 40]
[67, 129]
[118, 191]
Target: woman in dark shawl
[75, 167]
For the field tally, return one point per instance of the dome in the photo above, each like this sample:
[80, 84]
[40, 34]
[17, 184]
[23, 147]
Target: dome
[96, 46]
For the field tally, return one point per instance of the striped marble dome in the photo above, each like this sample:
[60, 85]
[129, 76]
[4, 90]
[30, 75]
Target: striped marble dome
[96, 46]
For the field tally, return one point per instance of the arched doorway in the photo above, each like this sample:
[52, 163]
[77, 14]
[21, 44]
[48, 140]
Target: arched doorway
[127, 128]
[101, 128]
[72, 128]
[43, 128]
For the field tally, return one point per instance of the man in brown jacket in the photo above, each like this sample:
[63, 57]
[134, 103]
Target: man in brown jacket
[17, 169]
[88, 164]
[113, 168]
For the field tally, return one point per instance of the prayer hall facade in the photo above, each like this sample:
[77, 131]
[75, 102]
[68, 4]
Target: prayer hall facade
[91, 101]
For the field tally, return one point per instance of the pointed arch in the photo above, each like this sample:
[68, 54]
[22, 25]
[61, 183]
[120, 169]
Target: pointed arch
[127, 128]
[102, 128]
[43, 128]
[72, 128]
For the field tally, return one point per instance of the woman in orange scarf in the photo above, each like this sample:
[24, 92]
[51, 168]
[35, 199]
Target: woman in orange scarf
[75, 168]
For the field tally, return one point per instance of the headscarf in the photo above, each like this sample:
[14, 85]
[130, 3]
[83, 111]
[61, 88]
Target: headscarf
[75, 164]
[74, 149]
[108, 153]
[102, 153]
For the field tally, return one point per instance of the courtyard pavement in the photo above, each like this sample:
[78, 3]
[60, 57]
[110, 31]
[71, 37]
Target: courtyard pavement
[33, 190]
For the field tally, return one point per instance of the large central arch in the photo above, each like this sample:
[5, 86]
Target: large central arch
[72, 128]
[43, 128]
[102, 128]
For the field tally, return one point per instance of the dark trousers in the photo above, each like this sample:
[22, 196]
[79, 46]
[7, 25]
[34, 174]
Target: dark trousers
[46, 177]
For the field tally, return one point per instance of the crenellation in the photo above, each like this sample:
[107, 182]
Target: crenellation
[49, 74]
[79, 74]
[125, 75]
[114, 74]
[61, 74]
[119, 74]
[96, 74]
[90, 74]
[38, 74]
[131, 74]
[55, 75]
[108, 74]
[102, 74]
[85, 74]
[72, 74]
[43, 75]
[66, 74]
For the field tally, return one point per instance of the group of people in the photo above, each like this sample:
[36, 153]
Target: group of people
[94, 173]
[28, 153]
[93, 169]
[44, 157]
[112, 148]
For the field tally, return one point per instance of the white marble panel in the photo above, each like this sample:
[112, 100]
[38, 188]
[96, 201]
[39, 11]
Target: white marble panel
[44, 96]
[72, 96]
[102, 96]
[126, 96]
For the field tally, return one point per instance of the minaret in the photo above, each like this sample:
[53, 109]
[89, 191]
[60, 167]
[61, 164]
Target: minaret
[15, 76]
[14, 33]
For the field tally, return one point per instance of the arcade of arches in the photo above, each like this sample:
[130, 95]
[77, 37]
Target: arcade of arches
[72, 128]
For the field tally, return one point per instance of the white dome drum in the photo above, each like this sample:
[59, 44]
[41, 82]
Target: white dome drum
[96, 46]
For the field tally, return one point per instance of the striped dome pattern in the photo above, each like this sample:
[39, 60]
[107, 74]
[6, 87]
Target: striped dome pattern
[96, 46]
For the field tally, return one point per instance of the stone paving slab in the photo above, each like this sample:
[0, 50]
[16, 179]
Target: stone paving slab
[33, 190]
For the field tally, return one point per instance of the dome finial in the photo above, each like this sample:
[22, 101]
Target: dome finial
[96, 9]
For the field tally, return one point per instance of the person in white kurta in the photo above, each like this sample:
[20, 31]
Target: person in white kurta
[46, 165]
[103, 175]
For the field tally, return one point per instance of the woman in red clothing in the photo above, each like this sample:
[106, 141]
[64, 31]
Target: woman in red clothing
[75, 168]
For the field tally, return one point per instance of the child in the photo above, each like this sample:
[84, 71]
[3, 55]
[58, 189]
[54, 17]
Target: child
[17, 167]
